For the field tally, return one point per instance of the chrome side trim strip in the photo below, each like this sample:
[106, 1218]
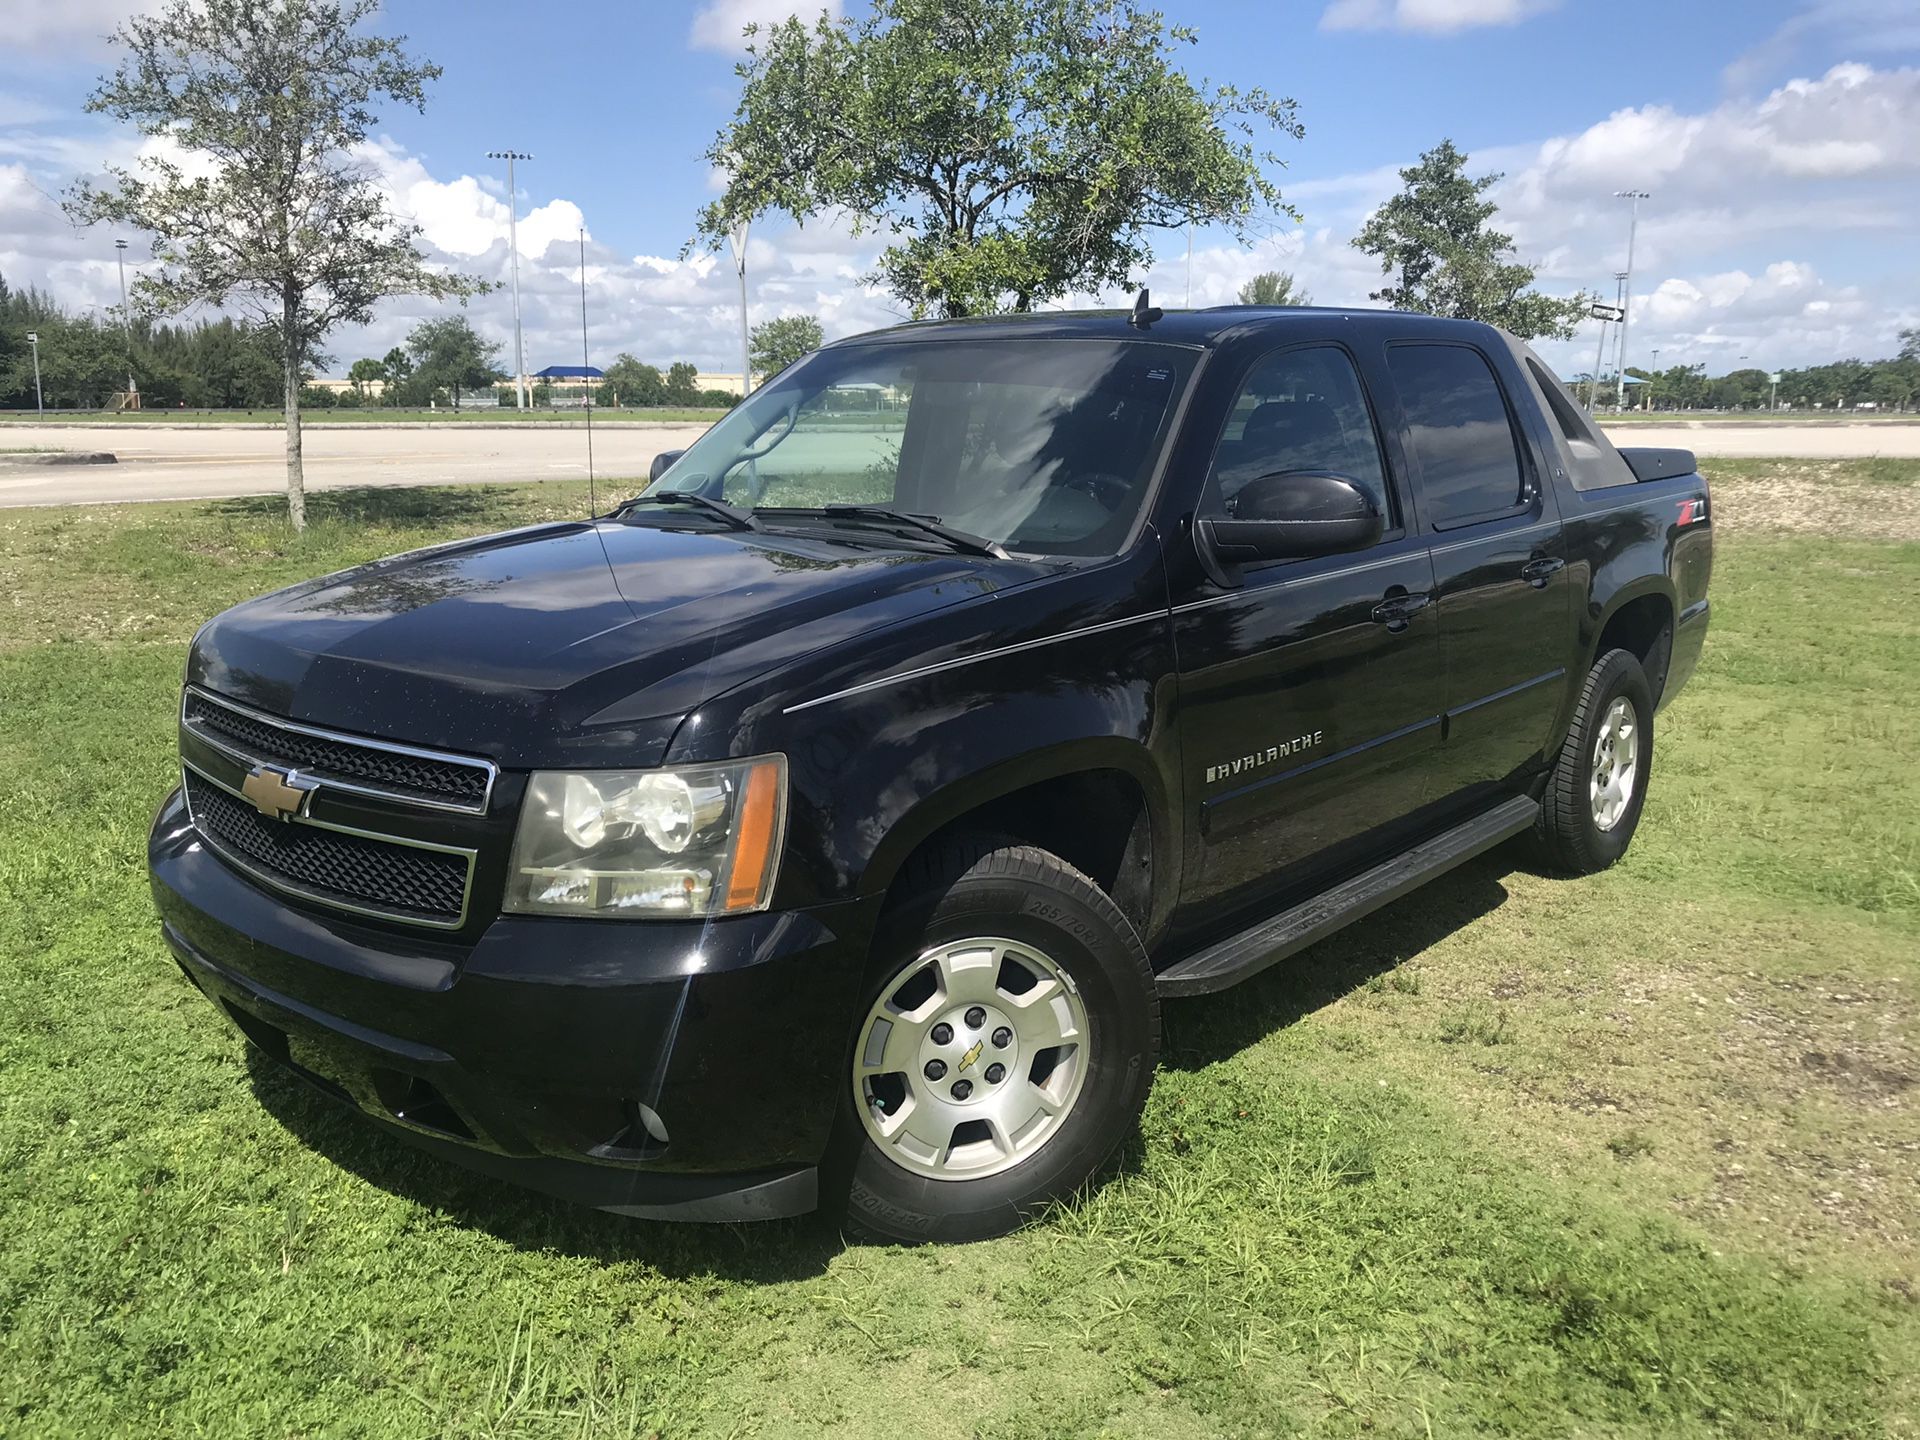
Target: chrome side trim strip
[956, 663]
[1511, 690]
[338, 737]
[253, 871]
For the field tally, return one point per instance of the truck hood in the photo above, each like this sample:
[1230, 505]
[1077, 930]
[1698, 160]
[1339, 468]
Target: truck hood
[580, 644]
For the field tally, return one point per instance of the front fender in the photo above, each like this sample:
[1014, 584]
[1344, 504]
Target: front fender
[888, 742]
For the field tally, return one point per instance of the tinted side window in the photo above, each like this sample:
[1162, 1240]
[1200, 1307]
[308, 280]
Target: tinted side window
[1469, 457]
[1301, 410]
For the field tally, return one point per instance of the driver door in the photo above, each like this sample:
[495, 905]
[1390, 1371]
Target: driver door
[1310, 695]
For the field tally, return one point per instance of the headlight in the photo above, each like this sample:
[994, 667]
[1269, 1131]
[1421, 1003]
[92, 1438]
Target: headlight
[694, 840]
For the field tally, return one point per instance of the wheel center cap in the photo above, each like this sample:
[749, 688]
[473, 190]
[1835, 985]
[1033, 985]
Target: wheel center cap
[968, 1052]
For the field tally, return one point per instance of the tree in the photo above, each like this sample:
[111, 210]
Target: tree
[365, 372]
[1017, 150]
[682, 383]
[449, 354]
[251, 194]
[776, 344]
[1440, 258]
[628, 382]
[1274, 287]
[1910, 345]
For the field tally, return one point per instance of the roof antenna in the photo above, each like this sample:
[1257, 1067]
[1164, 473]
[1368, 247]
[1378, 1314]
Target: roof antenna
[1143, 314]
[586, 381]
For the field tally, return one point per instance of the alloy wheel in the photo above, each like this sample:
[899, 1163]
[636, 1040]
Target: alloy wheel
[971, 1059]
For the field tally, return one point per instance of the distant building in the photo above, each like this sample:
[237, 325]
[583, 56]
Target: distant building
[727, 380]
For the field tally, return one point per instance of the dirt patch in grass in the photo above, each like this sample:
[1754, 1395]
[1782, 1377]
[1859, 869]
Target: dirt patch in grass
[1856, 499]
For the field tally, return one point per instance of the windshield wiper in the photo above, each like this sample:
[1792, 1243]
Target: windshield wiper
[957, 539]
[733, 515]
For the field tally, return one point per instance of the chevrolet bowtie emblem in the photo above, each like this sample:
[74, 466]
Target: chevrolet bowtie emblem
[966, 1060]
[276, 793]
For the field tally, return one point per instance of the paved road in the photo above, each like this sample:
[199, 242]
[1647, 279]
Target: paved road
[210, 461]
[207, 461]
[1796, 442]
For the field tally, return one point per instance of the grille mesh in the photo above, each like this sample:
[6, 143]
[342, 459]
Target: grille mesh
[416, 777]
[402, 880]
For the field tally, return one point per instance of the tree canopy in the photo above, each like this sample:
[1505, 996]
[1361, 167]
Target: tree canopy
[1441, 257]
[1273, 287]
[252, 196]
[449, 354]
[1016, 151]
[776, 344]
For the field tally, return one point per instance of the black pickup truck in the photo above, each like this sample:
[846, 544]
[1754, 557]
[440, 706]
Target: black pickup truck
[826, 825]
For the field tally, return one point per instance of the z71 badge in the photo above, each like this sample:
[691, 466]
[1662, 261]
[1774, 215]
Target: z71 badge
[1259, 759]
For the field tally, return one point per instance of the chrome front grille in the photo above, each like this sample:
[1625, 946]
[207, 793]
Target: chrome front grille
[348, 869]
[358, 841]
[347, 762]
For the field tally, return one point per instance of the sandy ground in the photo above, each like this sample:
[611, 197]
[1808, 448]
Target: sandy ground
[207, 461]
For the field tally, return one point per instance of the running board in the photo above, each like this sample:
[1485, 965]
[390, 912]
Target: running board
[1239, 956]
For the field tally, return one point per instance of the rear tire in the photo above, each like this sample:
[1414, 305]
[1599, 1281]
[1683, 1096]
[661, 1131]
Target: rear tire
[1005, 975]
[1598, 784]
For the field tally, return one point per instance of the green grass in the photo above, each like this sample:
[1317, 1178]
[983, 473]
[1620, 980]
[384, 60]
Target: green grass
[1625, 1156]
[365, 415]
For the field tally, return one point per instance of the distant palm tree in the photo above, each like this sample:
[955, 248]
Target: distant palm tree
[1275, 287]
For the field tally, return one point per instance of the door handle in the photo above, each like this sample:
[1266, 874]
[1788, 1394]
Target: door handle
[1537, 572]
[1397, 610]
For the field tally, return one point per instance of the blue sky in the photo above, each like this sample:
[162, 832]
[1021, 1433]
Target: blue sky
[1781, 139]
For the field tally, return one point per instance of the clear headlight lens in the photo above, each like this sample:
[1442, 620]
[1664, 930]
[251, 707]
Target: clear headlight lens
[694, 840]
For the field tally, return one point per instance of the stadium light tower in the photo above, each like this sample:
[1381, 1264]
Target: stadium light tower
[513, 245]
[126, 322]
[1626, 295]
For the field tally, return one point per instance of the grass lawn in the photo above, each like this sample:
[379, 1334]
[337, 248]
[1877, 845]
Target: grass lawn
[1627, 1156]
[364, 415]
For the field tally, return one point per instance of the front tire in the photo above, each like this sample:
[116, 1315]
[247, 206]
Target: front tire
[1598, 784]
[1005, 1049]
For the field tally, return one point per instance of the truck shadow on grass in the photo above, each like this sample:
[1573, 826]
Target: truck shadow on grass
[1198, 1033]
[766, 1252]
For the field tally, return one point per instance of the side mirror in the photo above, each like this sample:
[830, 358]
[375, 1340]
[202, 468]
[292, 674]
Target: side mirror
[662, 463]
[1289, 517]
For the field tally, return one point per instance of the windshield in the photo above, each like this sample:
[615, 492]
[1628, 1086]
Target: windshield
[1039, 445]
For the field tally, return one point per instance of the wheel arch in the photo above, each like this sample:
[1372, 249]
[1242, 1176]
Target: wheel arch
[1099, 804]
[1639, 619]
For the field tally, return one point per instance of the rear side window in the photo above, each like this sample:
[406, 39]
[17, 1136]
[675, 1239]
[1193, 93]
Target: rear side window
[1301, 411]
[1468, 455]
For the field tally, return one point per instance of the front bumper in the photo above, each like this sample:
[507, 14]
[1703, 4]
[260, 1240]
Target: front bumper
[528, 1053]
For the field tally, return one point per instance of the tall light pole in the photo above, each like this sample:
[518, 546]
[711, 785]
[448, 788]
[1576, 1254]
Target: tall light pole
[126, 323]
[513, 245]
[1626, 294]
[1656, 377]
[738, 239]
[39, 405]
[1620, 341]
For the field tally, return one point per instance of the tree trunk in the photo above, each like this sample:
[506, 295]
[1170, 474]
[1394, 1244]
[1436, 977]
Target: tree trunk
[296, 474]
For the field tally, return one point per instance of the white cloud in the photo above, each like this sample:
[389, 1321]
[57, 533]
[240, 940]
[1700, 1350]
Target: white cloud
[718, 23]
[65, 29]
[1433, 17]
[1848, 27]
